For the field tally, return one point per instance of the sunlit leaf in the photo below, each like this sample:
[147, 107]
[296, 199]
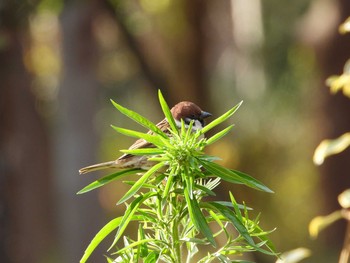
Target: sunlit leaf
[217, 220]
[205, 190]
[198, 218]
[169, 184]
[138, 118]
[128, 215]
[154, 139]
[107, 179]
[235, 206]
[140, 182]
[152, 257]
[344, 199]
[238, 224]
[342, 82]
[136, 243]
[219, 135]
[221, 119]
[143, 249]
[167, 112]
[294, 256]
[234, 220]
[320, 222]
[101, 235]
[223, 258]
[109, 260]
[345, 27]
[234, 176]
[331, 147]
[339, 83]
[144, 151]
[229, 204]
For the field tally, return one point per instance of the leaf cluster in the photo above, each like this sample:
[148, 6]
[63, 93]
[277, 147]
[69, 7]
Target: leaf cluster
[174, 220]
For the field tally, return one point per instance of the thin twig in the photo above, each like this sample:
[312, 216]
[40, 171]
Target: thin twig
[344, 255]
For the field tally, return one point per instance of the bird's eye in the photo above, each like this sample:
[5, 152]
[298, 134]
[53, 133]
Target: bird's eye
[187, 120]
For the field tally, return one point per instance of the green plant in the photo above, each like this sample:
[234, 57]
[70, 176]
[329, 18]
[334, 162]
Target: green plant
[173, 217]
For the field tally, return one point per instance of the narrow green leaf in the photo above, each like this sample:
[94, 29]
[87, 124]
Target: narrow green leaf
[101, 235]
[219, 135]
[107, 179]
[263, 236]
[109, 260]
[198, 218]
[196, 241]
[233, 176]
[205, 189]
[254, 183]
[217, 219]
[143, 249]
[169, 184]
[144, 151]
[209, 159]
[223, 258]
[167, 112]
[183, 129]
[238, 224]
[226, 212]
[242, 261]
[154, 139]
[158, 159]
[137, 243]
[140, 182]
[139, 119]
[188, 131]
[229, 204]
[235, 206]
[188, 178]
[221, 119]
[152, 257]
[128, 215]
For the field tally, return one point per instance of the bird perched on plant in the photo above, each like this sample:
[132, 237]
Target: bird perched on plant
[185, 110]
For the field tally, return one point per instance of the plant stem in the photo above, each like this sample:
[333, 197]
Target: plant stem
[176, 241]
[344, 255]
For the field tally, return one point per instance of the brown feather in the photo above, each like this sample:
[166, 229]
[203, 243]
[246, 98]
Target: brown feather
[182, 110]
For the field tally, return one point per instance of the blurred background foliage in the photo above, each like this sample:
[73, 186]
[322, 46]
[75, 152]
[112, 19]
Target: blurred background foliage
[63, 60]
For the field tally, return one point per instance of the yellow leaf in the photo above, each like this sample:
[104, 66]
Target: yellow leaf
[321, 222]
[344, 199]
[330, 147]
[337, 83]
[345, 27]
[340, 82]
[294, 255]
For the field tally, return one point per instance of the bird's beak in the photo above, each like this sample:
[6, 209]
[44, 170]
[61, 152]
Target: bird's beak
[205, 114]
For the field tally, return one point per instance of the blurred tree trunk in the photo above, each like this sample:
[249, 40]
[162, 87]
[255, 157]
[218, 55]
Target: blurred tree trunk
[191, 63]
[332, 50]
[176, 67]
[335, 172]
[25, 187]
[79, 217]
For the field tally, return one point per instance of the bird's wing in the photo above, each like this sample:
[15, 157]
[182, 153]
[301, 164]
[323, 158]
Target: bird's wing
[141, 143]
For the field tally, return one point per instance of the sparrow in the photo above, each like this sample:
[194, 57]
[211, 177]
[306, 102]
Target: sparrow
[185, 110]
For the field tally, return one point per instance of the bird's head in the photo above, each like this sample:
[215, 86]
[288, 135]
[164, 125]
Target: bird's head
[188, 111]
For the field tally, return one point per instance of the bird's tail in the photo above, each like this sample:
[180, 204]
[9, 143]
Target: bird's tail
[99, 166]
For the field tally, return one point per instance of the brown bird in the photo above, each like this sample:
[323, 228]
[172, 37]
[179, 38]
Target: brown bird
[185, 110]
